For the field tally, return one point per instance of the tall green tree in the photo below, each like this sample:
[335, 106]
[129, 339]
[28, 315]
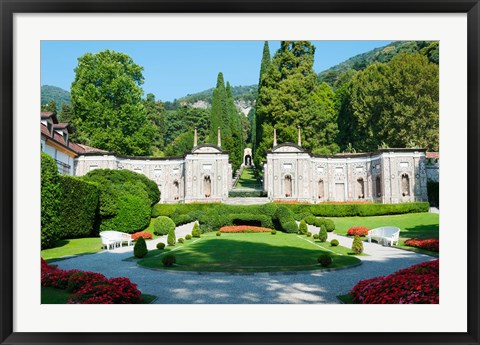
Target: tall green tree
[290, 96]
[392, 104]
[219, 100]
[156, 118]
[257, 122]
[236, 144]
[108, 108]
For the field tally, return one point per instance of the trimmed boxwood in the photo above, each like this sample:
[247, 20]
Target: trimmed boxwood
[162, 225]
[78, 207]
[357, 245]
[302, 228]
[285, 219]
[322, 235]
[365, 210]
[160, 245]
[125, 199]
[171, 239]
[50, 201]
[140, 248]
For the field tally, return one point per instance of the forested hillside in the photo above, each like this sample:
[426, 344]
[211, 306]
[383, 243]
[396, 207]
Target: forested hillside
[383, 54]
[53, 93]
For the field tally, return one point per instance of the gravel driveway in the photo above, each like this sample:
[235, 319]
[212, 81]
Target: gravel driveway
[174, 287]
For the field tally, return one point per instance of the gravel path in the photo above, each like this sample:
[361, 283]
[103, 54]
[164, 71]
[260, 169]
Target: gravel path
[217, 288]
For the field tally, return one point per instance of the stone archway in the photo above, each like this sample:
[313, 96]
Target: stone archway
[247, 157]
[248, 160]
[360, 188]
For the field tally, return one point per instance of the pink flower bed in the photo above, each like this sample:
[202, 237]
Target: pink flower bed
[357, 230]
[90, 287]
[244, 228]
[416, 284]
[431, 244]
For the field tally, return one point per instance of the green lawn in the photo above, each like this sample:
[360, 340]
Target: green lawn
[76, 246]
[59, 296]
[247, 179]
[412, 225]
[247, 252]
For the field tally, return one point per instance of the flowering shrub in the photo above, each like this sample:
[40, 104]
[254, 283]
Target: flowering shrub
[146, 235]
[357, 231]
[431, 244]
[244, 228]
[111, 291]
[416, 284]
[78, 279]
[90, 287]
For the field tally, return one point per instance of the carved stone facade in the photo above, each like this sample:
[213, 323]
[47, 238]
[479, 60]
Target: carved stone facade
[204, 175]
[387, 176]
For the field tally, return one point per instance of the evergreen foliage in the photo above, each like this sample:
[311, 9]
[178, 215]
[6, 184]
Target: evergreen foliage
[140, 248]
[322, 235]
[196, 230]
[79, 204]
[171, 239]
[108, 110]
[125, 199]
[257, 123]
[357, 245]
[303, 228]
[50, 202]
[156, 117]
[163, 225]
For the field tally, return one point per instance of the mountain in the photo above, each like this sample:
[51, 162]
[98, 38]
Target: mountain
[57, 94]
[382, 54]
[244, 98]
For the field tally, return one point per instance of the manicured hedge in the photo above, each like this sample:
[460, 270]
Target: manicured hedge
[125, 199]
[360, 210]
[285, 219]
[163, 225]
[50, 201]
[78, 207]
[250, 219]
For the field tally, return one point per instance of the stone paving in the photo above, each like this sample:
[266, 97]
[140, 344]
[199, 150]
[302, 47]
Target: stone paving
[174, 287]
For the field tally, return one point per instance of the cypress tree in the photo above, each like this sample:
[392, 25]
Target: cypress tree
[218, 108]
[257, 122]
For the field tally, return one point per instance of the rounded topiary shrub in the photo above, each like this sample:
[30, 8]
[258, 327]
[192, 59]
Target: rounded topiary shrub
[171, 239]
[302, 228]
[140, 248]
[181, 240]
[325, 260]
[315, 236]
[357, 245]
[329, 224]
[188, 237]
[273, 232]
[196, 230]
[334, 243]
[218, 233]
[322, 235]
[160, 245]
[308, 234]
[169, 260]
[162, 225]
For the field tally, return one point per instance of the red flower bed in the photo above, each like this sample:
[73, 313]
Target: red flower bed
[244, 228]
[146, 235]
[416, 284]
[431, 244]
[90, 287]
[357, 230]
[111, 291]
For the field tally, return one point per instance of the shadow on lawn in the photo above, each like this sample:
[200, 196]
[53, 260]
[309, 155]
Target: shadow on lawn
[423, 231]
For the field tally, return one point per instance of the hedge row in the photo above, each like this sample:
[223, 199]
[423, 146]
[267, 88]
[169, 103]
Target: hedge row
[78, 207]
[285, 219]
[246, 194]
[300, 211]
[50, 201]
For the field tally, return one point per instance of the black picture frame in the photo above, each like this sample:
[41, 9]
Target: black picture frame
[10, 7]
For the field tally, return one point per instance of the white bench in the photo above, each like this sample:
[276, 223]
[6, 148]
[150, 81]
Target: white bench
[386, 234]
[115, 239]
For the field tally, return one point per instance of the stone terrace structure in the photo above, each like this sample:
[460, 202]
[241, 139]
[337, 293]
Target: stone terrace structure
[386, 176]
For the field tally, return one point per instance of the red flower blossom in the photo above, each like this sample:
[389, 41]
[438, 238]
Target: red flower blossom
[431, 244]
[357, 230]
[146, 235]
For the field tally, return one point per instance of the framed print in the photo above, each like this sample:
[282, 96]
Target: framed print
[239, 172]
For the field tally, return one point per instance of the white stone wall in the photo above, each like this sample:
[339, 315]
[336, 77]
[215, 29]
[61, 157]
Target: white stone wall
[346, 178]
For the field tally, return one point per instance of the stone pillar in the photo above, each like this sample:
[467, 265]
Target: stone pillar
[274, 137]
[299, 137]
[195, 137]
[219, 144]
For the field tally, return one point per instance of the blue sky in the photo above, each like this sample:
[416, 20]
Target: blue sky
[173, 69]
